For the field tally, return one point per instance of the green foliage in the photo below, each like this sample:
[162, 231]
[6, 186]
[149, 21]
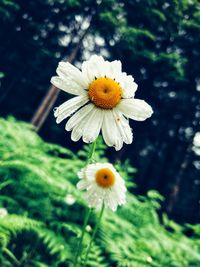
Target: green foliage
[157, 42]
[45, 211]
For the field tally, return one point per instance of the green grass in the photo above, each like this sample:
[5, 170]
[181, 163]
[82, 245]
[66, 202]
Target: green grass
[37, 182]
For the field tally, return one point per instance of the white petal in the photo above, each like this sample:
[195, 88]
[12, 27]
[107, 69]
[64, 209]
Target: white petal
[93, 126]
[81, 128]
[120, 183]
[94, 67]
[77, 132]
[115, 69]
[78, 116]
[135, 109]
[68, 85]
[66, 70]
[69, 107]
[90, 171]
[78, 129]
[119, 194]
[93, 196]
[107, 135]
[123, 126]
[110, 201]
[110, 131]
[66, 104]
[128, 85]
[83, 184]
[81, 173]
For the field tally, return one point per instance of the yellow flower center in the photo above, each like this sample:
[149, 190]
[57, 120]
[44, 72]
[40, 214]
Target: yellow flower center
[105, 177]
[105, 93]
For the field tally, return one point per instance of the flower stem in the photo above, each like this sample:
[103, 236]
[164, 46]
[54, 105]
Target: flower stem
[94, 234]
[92, 152]
[87, 216]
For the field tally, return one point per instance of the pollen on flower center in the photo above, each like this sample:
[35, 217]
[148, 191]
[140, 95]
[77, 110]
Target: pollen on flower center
[105, 177]
[105, 93]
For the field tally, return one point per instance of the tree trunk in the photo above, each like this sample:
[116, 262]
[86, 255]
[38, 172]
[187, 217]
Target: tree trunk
[48, 101]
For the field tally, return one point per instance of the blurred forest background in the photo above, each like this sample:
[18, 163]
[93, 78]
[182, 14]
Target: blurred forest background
[158, 43]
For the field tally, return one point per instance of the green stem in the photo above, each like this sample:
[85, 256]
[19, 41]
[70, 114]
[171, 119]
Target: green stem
[94, 234]
[92, 152]
[11, 256]
[81, 238]
[87, 216]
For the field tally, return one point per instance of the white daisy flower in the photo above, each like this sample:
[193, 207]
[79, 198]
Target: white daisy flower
[104, 101]
[103, 184]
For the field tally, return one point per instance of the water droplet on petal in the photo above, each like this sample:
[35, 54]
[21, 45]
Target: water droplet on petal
[118, 119]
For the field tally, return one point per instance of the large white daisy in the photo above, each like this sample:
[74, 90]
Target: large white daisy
[104, 101]
[103, 184]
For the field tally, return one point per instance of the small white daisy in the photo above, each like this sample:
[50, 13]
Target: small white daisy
[104, 101]
[103, 184]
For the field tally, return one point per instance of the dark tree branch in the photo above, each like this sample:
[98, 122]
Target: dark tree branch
[47, 103]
